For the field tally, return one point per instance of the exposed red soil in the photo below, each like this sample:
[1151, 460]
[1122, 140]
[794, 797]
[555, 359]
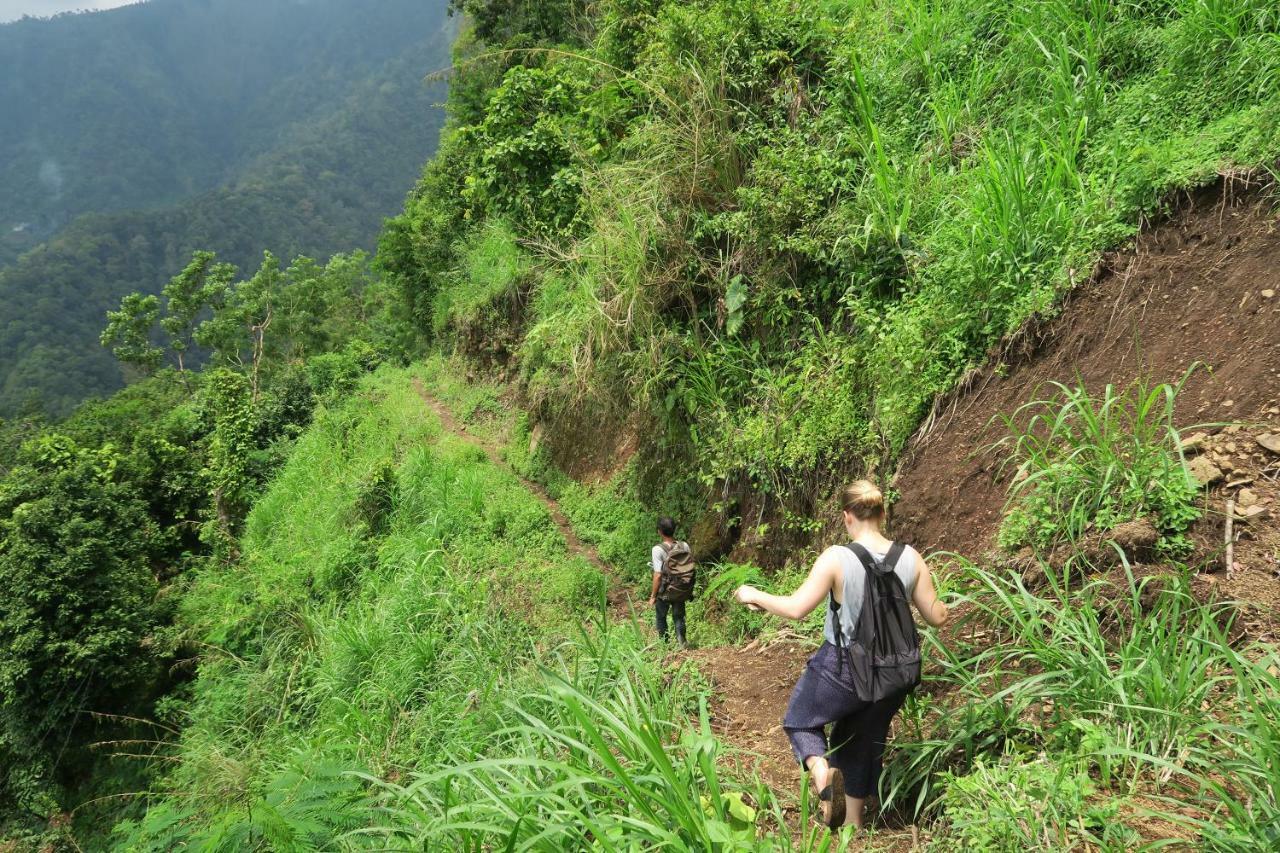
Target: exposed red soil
[752, 686]
[1202, 287]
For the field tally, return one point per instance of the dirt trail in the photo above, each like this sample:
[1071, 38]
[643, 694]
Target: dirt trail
[751, 685]
[619, 599]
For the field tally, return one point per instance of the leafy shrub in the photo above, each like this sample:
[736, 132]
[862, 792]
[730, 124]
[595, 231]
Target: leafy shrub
[1041, 804]
[335, 374]
[1091, 463]
[76, 545]
[492, 265]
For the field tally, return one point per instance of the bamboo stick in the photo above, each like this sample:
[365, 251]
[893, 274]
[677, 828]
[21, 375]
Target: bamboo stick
[1230, 534]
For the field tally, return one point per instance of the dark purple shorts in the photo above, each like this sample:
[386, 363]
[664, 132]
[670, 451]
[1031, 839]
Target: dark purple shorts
[824, 696]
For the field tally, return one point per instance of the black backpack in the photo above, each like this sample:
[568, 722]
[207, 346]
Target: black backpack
[679, 574]
[885, 651]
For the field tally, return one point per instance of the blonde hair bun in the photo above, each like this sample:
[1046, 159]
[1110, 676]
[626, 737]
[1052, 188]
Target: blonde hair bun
[864, 499]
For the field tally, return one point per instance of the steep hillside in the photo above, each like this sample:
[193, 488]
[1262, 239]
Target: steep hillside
[726, 255]
[1200, 289]
[311, 143]
[437, 662]
[764, 236]
[707, 259]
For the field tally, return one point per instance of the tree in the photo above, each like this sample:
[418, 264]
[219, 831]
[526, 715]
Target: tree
[129, 331]
[199, 286]
[243, 314]
[228, 466]
[75, 553]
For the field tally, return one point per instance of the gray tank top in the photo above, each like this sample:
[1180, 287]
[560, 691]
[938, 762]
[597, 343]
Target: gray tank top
[855, 580]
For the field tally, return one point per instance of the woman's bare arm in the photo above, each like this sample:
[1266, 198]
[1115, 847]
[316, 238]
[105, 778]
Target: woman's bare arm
[926, 598]
[800, 603]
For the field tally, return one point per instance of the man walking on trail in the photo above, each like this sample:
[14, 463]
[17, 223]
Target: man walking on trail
[673, 579]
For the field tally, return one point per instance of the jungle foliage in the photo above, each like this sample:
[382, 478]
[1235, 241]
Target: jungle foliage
[104, 515]
[784, 228]
[776, 231]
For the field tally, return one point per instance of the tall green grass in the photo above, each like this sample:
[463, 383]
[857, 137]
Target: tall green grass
[609, 753]
[808, 222]
[408, 657]
[1131, 691]
[1084, 461]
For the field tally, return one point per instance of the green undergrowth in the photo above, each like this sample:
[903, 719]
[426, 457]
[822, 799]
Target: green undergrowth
[607, 754]
[405, 657]
[1090, 462]
[392, 584]
[612, 516]
[1067, 718]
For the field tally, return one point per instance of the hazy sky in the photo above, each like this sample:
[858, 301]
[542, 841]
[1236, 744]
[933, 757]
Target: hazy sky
[11, 10]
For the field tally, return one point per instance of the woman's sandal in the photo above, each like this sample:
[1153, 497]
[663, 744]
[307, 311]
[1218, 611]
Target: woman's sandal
[833, 794]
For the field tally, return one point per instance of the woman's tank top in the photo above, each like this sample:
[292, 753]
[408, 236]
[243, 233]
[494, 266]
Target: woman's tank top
[855, 580]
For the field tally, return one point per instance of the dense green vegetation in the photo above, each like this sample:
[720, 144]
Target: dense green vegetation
[784, 228]
[1092, 464]
[188, 132]
[147, 106]
[262, 601]
[104, 514]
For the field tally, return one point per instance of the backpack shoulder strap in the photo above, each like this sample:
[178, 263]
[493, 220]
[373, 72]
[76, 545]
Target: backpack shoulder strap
[864, 556]
[871, 564]
[896, 550]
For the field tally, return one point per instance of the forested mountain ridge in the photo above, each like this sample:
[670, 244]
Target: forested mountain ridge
[289, 127]
[150, 104]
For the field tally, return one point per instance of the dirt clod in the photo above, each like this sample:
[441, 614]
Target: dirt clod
[1205, 472]
[1193, 443]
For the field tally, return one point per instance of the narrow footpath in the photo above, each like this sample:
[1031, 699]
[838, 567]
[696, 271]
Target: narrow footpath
[619, 598]
[750, 685]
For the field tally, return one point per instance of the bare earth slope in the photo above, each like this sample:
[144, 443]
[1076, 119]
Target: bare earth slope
[1202, 287]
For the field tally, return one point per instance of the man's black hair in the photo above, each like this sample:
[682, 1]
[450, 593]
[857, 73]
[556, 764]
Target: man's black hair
[666, 526]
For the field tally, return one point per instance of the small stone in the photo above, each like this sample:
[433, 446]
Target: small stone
[1226, 404]
[1204, 471]
[1231, 447]
[1270, 441]
[1250, 513]
[1246, 498]
[1267, 294]
[1232, 429]
[1193, 443]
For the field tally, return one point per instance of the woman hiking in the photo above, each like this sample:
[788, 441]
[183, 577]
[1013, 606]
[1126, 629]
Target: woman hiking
[869, 661]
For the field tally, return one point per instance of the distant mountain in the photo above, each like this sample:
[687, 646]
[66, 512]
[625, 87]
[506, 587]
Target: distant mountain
[132, 137]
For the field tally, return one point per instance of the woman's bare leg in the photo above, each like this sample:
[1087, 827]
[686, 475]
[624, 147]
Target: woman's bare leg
[853, 807]
[820, 771]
